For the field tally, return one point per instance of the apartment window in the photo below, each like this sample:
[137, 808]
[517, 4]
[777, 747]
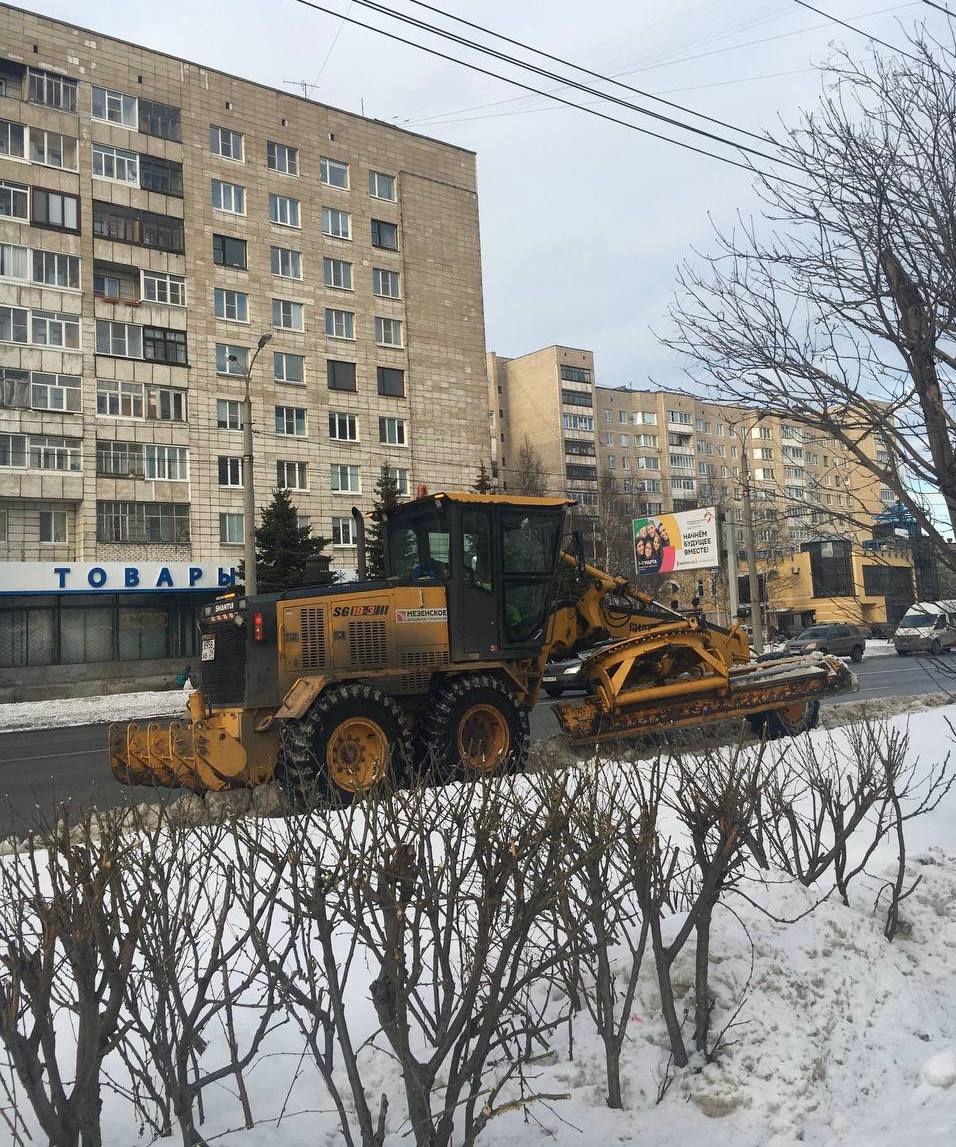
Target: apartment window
[575, 373]
[115, 163]
[578, 473]
[290, 420]
[388, 332]
[343, 427]
[228, 414]
[334, 173]
[345, 479]
[341, 375]
[577, 422]
[288, 367]
[579, 398]
[14, 261]
[52, 329]
[55, 270]
[339, 324]
[391, 431]
[53, 149]
[14, 325]
[162, 345]
[161, 175]
[161, 120]
[793, 472]
[385, 284]
[229, 197]
[343, 532]
[120, 459]
[166, 463]
[765, 474]
[611, 462]
[49, 453]
[625, 440]
[13, 450]
[702, 425]
[114, 107]
[288, 316]
[281, 158]
[679, 417]
[384, 235]
[56, 210]
[52, 90]
[229, 252]
[143, 228]
[284, 210]
[391, 382]
[648, 462]
[54, 392]
[286, 263]
[292, 475]
[231, 532]
[230, 471]
[607, 438]
[231, 359]
[119, 399]
[683, 483]
[761, 432]
[14, 200]
[764, 452]
[12, 139]
[162, 288]
[399, 475]
[225, 142]
[53, 527]
[336, 224]
[233, 306]
[381, 186]
[337, 273]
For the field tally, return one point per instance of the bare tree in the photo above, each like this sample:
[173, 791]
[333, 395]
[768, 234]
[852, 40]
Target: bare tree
[836, 309]
[529, 477]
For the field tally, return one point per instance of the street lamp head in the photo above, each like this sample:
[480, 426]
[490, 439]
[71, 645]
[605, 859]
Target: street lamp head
[263, 339]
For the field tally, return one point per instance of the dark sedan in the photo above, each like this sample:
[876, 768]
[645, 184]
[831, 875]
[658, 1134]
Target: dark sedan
[560, 676]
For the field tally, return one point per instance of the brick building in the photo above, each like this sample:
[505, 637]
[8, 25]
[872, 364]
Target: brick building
[157, 219]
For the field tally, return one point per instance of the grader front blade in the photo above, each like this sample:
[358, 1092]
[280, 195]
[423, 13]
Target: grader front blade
[618, 710]
[208, 753]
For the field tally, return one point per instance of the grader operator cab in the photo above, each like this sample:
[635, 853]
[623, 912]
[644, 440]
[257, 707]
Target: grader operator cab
[438, 665]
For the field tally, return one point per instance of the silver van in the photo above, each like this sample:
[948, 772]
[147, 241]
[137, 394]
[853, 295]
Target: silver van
[928, 627]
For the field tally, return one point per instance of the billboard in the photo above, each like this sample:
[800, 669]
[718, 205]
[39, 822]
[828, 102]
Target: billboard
[668, 543]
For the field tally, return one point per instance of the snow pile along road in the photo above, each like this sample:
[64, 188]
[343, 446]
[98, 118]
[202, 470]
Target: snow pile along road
[92, 710]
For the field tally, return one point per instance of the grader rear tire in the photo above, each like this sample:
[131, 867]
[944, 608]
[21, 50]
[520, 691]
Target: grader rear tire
[795, 719]
[472, 726]
[353, 740]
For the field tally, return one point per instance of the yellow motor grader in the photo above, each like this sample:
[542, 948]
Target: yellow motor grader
[438, 665]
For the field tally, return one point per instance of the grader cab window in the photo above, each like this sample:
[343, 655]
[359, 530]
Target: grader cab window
[476, 545]
[420, 547]
[529, 550]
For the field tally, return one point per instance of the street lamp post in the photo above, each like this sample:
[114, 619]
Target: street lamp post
[248, 480]
[750, 542]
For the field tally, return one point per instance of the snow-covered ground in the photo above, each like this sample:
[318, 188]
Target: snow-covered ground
[92, 710]
[843, 1040]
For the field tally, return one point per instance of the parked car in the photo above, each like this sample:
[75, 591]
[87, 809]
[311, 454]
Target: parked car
[563, 675]
[840, 640]
[927, 626]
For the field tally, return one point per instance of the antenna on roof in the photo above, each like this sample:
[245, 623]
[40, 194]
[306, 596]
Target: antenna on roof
[303, 84]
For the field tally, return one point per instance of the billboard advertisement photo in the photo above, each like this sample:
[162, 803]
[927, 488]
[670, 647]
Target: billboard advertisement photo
[668, 543]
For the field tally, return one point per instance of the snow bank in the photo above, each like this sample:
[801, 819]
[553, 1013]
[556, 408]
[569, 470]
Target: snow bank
[92, 710]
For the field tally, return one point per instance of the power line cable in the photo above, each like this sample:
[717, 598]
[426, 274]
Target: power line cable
[748, 167]
[475, 45]
[588, 71]
[939, 7]
[858, 31]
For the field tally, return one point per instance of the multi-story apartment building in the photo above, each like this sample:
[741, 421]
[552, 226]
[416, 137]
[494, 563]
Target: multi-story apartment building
[546, 399]
[658, 451]
[157, 220]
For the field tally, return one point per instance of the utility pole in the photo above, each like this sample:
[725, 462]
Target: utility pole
[756, 621]
[248, 480]
[730, 544]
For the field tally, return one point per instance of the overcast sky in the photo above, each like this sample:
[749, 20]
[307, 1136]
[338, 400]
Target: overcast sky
[582, 221]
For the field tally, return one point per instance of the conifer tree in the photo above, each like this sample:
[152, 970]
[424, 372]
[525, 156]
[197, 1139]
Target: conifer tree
[386, 498]
[282, 546]
[483, 483]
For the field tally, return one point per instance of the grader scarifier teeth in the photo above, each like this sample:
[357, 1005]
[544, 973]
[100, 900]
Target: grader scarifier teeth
[199, 755]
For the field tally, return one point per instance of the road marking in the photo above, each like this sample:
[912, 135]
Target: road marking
[51, 756]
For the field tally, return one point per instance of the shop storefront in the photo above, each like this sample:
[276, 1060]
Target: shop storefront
[99, 626]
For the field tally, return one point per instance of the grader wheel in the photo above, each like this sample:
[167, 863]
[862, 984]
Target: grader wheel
[352, 740]
[791, 721]
[472, 726]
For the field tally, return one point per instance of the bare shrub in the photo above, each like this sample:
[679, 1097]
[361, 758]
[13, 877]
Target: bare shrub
[70, 929]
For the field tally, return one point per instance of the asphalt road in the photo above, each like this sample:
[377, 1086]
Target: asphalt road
[41, 767]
